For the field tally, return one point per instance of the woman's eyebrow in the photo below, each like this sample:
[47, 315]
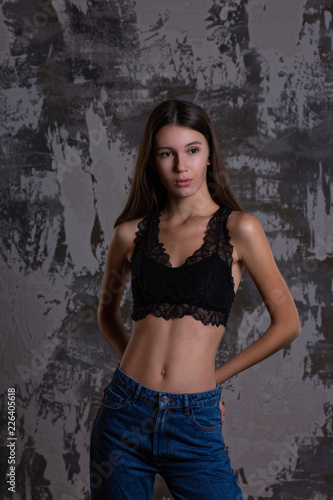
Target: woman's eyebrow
[187, 145]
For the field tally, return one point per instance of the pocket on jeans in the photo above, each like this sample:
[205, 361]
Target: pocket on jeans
[115, 397]
[206, 418]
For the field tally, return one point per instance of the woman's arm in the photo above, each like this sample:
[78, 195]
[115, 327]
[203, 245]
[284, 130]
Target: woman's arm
[116, 274]
[254, 251]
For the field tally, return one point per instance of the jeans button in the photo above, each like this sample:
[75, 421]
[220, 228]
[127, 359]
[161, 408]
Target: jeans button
[166, 399]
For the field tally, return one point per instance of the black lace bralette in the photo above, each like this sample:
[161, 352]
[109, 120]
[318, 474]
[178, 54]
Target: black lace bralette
[202, 287]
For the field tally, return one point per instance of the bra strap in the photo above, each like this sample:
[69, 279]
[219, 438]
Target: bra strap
[151, 233]
[141, 238]
[218, 232]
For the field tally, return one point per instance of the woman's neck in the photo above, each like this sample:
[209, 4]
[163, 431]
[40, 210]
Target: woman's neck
[188, 207]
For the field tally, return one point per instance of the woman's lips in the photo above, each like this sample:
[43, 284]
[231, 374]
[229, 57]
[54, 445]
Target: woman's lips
[183, 182]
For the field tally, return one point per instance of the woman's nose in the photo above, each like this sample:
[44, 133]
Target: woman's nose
[180, 164]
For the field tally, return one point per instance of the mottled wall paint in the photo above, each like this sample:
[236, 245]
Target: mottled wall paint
[78, 81]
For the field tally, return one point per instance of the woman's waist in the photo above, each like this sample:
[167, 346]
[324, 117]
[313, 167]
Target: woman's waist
[183, 362]
[167, 379]
[165, 398]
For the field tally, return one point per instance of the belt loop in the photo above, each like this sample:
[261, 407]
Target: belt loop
[136, 394]
[186, 410]
[220, 392]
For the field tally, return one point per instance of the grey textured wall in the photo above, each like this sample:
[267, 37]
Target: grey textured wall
[78, 80]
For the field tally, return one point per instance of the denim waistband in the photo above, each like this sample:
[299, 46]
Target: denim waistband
[165, 399]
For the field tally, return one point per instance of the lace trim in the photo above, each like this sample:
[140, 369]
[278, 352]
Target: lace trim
[225, 250]
[173, 311]
[155, 249]
[208, 247]
[139, 239]
[139, 235]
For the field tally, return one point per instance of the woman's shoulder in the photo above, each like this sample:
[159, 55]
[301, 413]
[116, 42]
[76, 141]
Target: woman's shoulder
[246, 234]
[128, 228]
[126, 231]
[243, 225]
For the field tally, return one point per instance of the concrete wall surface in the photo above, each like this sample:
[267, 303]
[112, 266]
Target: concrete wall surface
[78, 80]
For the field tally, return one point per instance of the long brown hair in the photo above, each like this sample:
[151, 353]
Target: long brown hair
[147, 191]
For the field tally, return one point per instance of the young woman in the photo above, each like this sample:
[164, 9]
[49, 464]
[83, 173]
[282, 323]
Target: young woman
[185, 240]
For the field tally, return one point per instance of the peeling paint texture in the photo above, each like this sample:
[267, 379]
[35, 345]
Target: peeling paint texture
[78, 80]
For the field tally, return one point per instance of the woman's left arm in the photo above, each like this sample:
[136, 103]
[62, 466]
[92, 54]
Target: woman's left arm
[253, 250]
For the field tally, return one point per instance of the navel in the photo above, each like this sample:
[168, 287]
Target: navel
[163, 372]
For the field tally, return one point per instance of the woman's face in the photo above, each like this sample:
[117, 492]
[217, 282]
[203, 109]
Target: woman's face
[180, 156]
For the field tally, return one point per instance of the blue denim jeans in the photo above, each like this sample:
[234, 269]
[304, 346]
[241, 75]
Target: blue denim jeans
[139, 432]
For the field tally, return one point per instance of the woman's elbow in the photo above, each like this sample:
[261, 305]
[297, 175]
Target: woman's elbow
[298, 328]
[101, 316]
[286, 330]
[105, 315]
[296, 324]
[290, 323]
[293, 330]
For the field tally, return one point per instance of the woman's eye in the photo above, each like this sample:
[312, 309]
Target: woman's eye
[166, 154]
[193, 151]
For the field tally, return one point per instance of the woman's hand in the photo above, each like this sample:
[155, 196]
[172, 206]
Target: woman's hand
[222, 409]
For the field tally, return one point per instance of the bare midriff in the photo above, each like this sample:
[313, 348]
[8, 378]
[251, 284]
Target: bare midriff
[176, 355]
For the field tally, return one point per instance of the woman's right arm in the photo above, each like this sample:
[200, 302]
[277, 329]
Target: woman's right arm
[116, 275]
